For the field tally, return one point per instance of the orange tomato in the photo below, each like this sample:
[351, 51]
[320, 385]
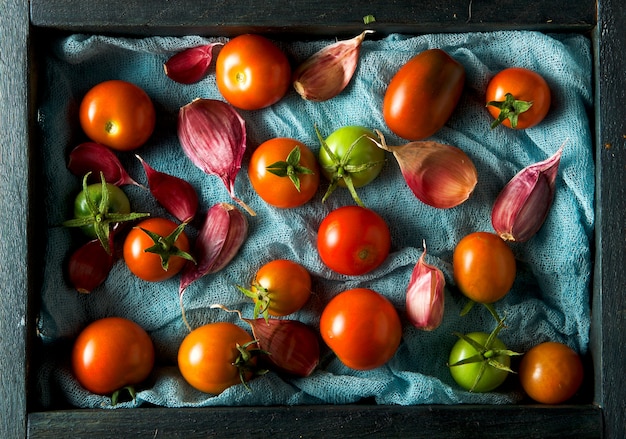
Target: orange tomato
[252, 72]
[551, 372]
[117, 114]
[484, 267]
[274, 177]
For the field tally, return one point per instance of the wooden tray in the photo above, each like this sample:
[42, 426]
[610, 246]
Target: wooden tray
[23, 22]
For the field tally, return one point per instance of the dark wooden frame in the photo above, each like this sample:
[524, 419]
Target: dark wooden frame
[19, 213]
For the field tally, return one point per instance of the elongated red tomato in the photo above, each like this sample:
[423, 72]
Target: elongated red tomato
[362, 328]
[423, 94]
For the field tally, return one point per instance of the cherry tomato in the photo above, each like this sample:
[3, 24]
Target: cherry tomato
[525, 86]
[110, 354]
[117, 203]
[350, 158]
[353, 240]
[551, 373]
[252, 72]
[465, 375]
[117, 114]
[216, 356]
[284, 172]
[280, 287]
[484, 267]
[423, 94]
[148, 265]
[362, 328]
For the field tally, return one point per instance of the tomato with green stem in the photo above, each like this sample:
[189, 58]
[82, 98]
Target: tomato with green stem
[100, 207]
[284, 172]
[280, 287]
[216, 356]
[551, 372]
[112, 354]
[518, 98]
[350, 157]
[353, 240]
[362, 328]
[117, 114]
[252, 72]
[480, 362]
[156, 249]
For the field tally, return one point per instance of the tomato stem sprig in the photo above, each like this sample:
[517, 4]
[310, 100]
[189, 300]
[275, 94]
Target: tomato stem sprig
[290, 168]
[100, 218]
[260, 295]
[487, 355]
[340, 169]
[164, 246]
[510, 109]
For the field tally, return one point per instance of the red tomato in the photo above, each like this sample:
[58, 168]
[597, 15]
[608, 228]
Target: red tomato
[551, 373]
[117, 114]
[209, 358]
[353, 240]
[362, 328]
[110, 354]
[484, 267]
[280, 287]
[284, 172]
[148, 265]
[525, 86]
[252, 72]
[423, 94]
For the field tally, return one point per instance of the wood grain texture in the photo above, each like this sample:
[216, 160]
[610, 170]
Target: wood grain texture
[18, 236]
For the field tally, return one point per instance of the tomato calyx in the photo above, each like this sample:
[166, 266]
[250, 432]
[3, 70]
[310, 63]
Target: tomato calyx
[99, 215]
[486, 354]
[290, 168]
[245, 363]
[510, 109]
[339, 168]
[165, 247]
[261, 297]
[115, 396]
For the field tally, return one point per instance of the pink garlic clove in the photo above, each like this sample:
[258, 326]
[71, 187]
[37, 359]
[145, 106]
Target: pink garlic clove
[89, 266]
[522, 206]
[176, 195]
[327, 72]
[425, 295]
[95, 158]
[190, 65]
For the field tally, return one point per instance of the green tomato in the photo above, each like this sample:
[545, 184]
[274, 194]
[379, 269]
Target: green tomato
[350, 157]
[118, 203]
[466, 374]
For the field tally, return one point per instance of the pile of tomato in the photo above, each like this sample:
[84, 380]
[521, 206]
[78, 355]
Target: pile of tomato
[361, 327]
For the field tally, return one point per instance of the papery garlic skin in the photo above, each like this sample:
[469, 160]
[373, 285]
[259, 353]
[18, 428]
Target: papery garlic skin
[523, 205]
[439, 175]
[96, 158]
[425, 295]
[327, 72]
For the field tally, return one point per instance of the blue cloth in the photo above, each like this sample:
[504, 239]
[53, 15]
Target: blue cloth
[550, 297]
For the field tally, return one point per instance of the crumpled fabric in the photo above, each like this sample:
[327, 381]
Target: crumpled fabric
[550, 297]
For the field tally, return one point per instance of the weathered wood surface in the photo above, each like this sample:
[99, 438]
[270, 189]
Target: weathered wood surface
[18, 289]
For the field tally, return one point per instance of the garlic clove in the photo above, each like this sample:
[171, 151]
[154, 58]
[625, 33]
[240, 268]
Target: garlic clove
[440, 175]
[95, 158]
[425, 295]
[327, 72]
[522, 206]
[176, 195]
[224, 231]
[213, 136]
[190, 65]
[89, 266]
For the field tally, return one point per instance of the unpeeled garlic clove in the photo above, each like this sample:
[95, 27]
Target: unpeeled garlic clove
[176, 195]
[224, 231]
[439, 175]
[95, 158]
[327, 72]
[190, 65]
[522, 206]
[425, 295]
